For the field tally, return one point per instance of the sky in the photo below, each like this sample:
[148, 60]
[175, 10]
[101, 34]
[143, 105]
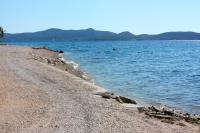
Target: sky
[136, 16]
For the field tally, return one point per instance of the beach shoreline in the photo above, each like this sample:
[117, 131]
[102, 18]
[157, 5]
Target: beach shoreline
[104, 93]
[84, 75]
[38, 68]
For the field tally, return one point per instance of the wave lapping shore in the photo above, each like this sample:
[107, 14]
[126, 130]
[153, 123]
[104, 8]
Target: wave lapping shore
[41, 92]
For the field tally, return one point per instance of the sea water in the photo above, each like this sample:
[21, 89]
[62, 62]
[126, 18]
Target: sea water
[166, 72]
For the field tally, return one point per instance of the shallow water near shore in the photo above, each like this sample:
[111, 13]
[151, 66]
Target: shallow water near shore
[166, 72]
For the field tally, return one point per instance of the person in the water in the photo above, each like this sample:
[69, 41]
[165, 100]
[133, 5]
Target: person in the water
[114, 49]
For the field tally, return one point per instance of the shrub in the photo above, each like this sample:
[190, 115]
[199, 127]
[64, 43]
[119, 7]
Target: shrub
[1, 32]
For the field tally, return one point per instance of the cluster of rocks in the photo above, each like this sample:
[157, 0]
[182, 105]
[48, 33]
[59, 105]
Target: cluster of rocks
[51, 61]
[169, 115]
[164, 113]
[121, 99]
[60, 63]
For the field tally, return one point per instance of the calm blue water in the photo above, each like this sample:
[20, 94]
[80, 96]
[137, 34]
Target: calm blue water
[166, 72]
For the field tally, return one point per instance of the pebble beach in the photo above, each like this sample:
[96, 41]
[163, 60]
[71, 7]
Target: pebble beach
[39, 92]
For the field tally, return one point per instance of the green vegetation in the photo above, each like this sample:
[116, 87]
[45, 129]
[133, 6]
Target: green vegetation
[1, 32]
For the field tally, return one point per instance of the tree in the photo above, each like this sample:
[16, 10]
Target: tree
[1, 32]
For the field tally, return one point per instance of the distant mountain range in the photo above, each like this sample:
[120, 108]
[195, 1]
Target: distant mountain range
[94, 35]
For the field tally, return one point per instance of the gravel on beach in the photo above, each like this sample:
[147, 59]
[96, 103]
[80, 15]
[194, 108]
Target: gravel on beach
[38, 97]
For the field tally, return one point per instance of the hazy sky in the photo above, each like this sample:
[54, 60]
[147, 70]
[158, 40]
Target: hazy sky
[136, 16]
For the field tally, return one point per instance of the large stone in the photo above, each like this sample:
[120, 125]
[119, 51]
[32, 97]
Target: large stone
[127, 100]
[120, 99]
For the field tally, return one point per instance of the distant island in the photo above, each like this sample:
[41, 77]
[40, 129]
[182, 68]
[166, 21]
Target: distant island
[90, 34]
